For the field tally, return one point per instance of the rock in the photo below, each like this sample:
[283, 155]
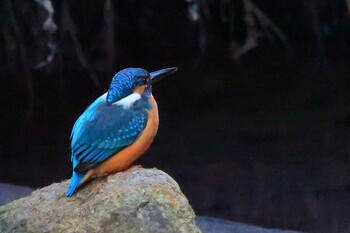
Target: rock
[137, 200]
[10, 192]
[215, 225]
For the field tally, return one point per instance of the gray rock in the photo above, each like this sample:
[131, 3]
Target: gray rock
[214, 225]
[10, 192]
[137, 200]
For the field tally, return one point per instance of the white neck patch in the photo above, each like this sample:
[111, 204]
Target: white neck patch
[128, 101]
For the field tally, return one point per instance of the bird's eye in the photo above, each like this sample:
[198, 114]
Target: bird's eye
[146, 79]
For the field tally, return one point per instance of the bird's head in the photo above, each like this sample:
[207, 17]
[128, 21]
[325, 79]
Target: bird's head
[130, 80]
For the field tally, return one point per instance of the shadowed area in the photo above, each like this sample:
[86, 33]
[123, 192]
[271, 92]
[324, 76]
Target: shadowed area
[254, 125]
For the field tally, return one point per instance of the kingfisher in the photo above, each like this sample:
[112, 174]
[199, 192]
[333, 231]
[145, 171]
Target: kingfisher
[117, 127]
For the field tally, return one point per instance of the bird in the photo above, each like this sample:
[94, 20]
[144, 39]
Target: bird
[117, 127]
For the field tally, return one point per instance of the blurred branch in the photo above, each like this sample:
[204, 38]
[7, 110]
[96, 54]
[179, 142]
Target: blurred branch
[253, 17]
[313, 8]
[257, 25]
[253, 33]
[199, 12]
[24, 60]
[109, 35]
[49, 26]
[49, 57]
[68, 25]
[267, 23]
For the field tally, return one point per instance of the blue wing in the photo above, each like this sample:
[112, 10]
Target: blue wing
[103, 130]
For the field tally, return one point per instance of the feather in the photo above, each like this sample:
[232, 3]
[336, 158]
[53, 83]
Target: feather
[103, 130]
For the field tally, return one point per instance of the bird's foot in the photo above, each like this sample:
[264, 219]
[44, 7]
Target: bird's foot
[101, 175]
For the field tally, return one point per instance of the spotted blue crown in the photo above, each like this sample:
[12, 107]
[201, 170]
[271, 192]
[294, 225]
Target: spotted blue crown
[124, 82]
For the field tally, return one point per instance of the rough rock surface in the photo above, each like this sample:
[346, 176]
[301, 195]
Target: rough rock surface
[137, 200]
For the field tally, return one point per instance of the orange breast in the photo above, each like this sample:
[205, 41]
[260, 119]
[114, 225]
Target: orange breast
[124, 158]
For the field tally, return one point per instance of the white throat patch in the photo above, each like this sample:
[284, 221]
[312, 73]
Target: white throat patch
[128, 101]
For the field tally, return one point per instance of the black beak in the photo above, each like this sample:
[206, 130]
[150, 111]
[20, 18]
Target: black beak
[160, 74]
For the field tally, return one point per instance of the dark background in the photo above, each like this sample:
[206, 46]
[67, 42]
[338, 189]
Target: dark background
[254, 126]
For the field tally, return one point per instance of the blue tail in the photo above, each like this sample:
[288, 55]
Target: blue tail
[76, 178]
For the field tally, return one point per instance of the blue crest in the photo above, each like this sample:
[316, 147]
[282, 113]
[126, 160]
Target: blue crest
[124, 83]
